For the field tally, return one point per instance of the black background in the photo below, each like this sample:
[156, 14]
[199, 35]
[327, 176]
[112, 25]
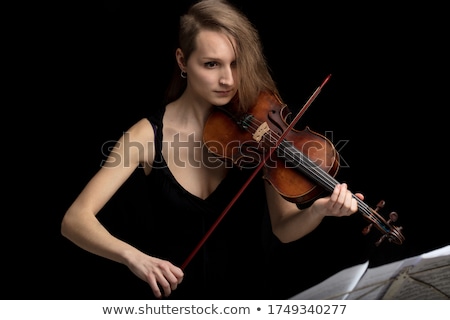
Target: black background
[92, 69]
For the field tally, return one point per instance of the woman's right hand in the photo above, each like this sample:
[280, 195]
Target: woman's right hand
[162, 276]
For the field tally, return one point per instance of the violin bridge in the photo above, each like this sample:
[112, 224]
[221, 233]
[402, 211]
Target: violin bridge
[259, 133]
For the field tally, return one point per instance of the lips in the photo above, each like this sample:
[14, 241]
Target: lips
[225, 92]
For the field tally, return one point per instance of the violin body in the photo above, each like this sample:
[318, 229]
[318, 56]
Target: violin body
[224, 137]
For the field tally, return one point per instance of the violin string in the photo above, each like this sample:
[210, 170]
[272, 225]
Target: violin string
[327, 181]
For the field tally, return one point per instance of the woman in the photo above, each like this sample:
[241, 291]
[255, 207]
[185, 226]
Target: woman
[220, 62]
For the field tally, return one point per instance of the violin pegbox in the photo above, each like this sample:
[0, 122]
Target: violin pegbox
[393, 217]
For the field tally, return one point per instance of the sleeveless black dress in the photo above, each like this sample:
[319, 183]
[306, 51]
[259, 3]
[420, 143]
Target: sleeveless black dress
[231, 264]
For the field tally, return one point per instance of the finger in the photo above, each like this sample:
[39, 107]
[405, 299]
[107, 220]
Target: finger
[174, 276]
[154, 286]
[172, 281]
[178, 273]
[339, 197]
[360, 196]
[164, 284]
[342, 198]
[335, 194]
[350, 204]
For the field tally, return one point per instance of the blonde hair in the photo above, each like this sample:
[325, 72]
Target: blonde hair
[253, 70]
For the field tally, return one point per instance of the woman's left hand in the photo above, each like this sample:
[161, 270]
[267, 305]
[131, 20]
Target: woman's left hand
[340, 203]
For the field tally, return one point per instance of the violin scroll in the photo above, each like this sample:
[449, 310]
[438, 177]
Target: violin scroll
[392, 234]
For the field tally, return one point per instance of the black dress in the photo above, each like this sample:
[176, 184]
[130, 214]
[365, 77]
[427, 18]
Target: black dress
[168, 222]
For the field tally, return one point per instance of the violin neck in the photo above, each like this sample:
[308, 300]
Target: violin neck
[306, 166]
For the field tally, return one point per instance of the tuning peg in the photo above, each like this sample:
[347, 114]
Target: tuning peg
[393, 216]
[379, 206]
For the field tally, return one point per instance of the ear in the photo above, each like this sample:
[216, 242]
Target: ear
[180, 59]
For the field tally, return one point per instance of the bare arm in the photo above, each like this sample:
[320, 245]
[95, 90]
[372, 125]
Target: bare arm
[81, 226]
[290, 223]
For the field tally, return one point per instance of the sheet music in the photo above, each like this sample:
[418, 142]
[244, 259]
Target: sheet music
[428, 279]
[335, 287]
[376, 281]
[425, 276]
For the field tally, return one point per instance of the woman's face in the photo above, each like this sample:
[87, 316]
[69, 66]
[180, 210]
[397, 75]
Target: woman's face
[211, 68]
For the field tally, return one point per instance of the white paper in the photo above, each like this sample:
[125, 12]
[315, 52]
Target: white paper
[426, 276]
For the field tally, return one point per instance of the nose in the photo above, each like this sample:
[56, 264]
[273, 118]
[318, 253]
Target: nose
[226, 77]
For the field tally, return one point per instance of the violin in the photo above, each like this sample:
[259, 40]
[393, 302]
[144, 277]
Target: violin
[299, 164]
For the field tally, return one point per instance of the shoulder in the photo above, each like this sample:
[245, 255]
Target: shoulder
[142, 130]
[139, 139]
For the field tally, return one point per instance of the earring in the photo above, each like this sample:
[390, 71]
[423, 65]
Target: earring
[183, 74]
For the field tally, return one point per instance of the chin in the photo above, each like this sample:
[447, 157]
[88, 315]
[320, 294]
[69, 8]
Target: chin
[221, 101]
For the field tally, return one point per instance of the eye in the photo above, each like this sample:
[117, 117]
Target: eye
[211, 64]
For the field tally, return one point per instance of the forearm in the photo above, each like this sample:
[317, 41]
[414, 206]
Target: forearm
[296, 225]
[289, 223]
[89, 234]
